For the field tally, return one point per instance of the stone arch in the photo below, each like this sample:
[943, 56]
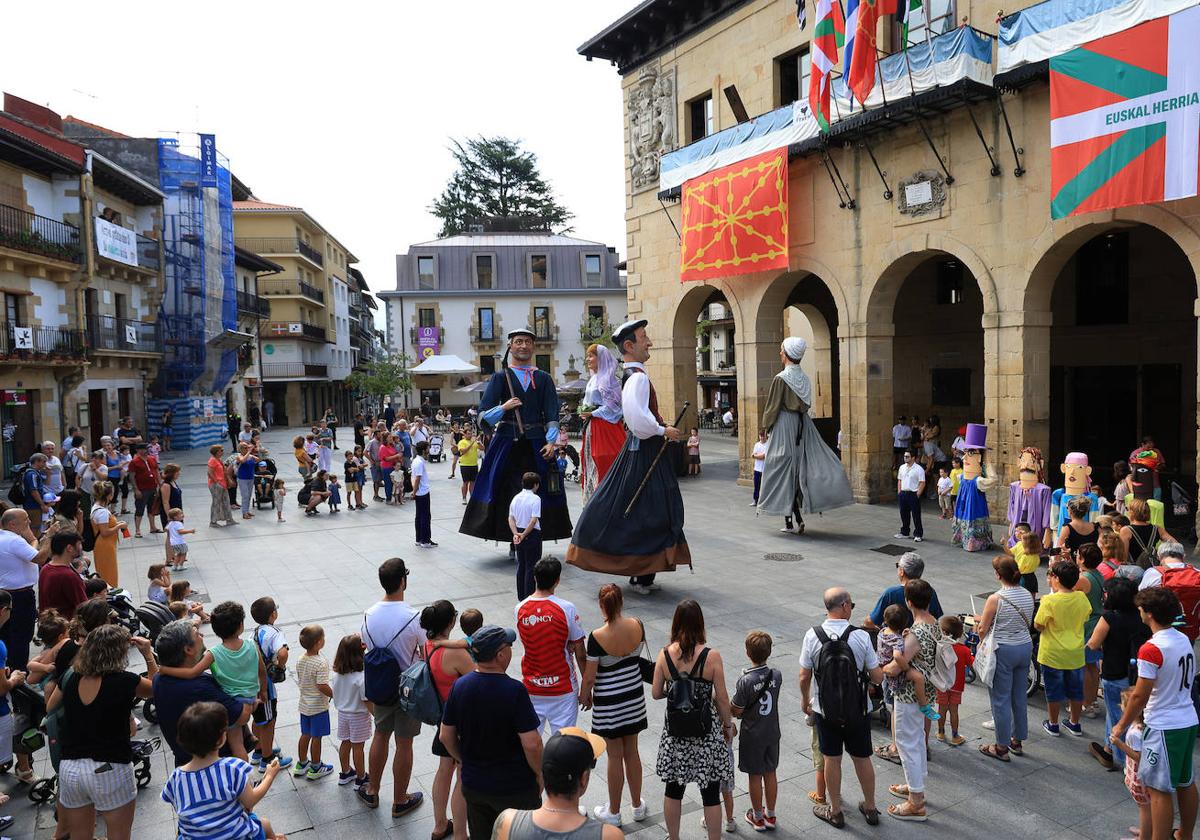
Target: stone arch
[680, 345]
[894, 264]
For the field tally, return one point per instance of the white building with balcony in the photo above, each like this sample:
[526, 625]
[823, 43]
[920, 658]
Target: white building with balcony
[460, 295]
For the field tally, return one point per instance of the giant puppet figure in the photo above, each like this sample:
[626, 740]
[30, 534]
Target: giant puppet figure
[633, 524]
[1077, 481]
[1143, 477]
[1029, 498]
[800, 473]
[972, 526]
[521, 405]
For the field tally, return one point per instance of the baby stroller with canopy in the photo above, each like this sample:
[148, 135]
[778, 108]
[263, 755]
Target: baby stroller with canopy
[264, 484]
[436, 448]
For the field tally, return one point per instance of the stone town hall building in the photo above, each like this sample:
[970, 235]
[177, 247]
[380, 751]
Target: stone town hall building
[1075, 334]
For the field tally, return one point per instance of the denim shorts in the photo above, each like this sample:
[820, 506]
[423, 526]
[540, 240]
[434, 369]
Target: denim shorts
[1092, 657]
[1062, 685]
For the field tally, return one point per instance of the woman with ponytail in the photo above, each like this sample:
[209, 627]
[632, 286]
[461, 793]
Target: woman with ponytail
[612, 688]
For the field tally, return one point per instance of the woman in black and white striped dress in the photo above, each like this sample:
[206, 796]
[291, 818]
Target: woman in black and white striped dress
[612, 688]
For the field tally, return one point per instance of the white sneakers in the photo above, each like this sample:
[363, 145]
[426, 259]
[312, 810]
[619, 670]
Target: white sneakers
[602, 813]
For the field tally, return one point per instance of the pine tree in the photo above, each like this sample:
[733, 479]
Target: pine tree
[497, 179]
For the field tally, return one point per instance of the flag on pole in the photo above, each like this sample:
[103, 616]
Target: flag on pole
[861, 78]
[905, 16]
[851, 28]
[801, 13]
[829, 33]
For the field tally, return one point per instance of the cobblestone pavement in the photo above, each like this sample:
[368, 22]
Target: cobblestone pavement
[747, 575]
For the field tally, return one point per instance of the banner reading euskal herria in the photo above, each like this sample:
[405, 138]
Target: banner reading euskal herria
[1125, 118]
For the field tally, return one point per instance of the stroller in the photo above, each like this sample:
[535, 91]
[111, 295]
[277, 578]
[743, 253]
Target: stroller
[120, 601]
[264, 484]
[154, 617]
[573, 456]
[436, 448]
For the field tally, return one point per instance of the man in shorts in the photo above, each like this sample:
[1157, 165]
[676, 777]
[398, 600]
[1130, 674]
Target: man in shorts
[394, 624]
[1166, 669]
[840, 729]
[552, 635]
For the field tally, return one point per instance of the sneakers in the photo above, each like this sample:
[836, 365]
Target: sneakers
[318, 771]
[640, 811]
[1075, 729]
[900, 536]
[989, 724]
[654, 587]
[605, 816]
[639, 589]
[770, 821]
[757, 823]
[1051, 728]
[730, 826]
[285, 761]
[918, 539]
[300, 768]
[346, 778]
[369, 799]
[930, 712]
[361, 782]
[1092, 710]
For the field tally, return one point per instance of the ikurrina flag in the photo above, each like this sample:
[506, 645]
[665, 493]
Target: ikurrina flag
[829, 33]
[735, 219]
[1125, 117]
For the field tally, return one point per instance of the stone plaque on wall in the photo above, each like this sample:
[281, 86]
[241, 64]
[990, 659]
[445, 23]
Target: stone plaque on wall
[922, 194]
[651, 113]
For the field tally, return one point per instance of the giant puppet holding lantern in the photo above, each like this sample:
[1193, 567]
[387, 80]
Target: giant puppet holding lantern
[520, 404]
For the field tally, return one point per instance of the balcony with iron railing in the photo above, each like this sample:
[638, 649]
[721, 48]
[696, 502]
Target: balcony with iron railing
[290, 287]
[20, 343]
[293, 329]
[293, 370]
[34, 234]
[716, 360]
[279, 245]
[109, 334]
[147, 250]
[251, 304]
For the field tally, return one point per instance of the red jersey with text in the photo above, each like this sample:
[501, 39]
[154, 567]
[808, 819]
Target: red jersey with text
[547, 626]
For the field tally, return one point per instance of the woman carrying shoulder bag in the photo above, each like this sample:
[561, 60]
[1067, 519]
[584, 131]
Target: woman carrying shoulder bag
[1005, 620]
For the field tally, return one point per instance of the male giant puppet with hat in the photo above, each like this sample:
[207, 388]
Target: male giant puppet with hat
[639, 541]
[520, 404]
[972, 524]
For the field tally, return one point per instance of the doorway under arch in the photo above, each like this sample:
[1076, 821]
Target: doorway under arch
[704, 356]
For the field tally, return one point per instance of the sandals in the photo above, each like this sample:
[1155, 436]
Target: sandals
[900, 791]
[825, 814]
[871, 815]
[812, 795]
[904, 811]
[991, 751]
[885, 752]
[1014, 747]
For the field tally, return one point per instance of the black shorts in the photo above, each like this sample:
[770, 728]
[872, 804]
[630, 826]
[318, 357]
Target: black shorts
[439, 749]
[468, 474]
[264, 714]
[854, 736]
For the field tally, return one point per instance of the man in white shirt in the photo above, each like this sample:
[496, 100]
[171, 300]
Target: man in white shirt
[420, 484]
[910, 484]
[21, 558]
[901, 440]
[633, 524]
[846, 728]
[394, 624]
[1166, 669]
[760, 459]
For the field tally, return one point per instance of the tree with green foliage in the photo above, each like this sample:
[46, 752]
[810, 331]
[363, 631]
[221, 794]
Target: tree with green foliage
[384, 377]
[596, 330]
[497, 179]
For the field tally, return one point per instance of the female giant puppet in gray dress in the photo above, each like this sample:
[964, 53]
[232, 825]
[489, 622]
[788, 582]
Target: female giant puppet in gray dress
[521, 405]
[650, 538]
[800, 473]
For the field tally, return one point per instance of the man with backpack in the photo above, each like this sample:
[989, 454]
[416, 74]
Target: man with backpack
[1182, 578]
[841, 659]
[392, 636]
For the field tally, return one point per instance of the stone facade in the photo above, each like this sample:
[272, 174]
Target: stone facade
[1011, 327]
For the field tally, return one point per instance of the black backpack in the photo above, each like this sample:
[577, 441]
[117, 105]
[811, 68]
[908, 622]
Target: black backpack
[840, 683]
[688, 715]
[16, 493]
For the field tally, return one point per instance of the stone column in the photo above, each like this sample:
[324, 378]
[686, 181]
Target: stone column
[867, 409]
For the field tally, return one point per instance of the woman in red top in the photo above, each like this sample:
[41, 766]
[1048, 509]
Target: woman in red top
[446, 664]
[388, 458]
[218, 486]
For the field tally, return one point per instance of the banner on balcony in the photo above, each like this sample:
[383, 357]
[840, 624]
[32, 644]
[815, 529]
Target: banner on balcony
[22, 338]
[130, 334]
[427, 342]
[1125, 118]
[735, 219]
[116, 243]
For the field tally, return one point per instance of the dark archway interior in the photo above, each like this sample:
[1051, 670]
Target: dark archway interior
[1123, 355]
[937, 352]
[810, 293]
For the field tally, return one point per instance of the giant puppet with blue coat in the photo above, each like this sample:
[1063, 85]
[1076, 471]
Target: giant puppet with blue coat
[520, 405]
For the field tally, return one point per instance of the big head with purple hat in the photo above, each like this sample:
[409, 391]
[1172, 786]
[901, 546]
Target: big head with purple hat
[973, 447]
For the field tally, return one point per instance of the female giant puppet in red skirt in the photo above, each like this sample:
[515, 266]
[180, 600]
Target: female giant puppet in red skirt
[604, 435]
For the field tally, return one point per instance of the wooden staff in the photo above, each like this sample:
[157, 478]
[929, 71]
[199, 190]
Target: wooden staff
[637, 493]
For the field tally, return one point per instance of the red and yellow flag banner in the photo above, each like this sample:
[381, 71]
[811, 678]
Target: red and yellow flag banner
[735, 219]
